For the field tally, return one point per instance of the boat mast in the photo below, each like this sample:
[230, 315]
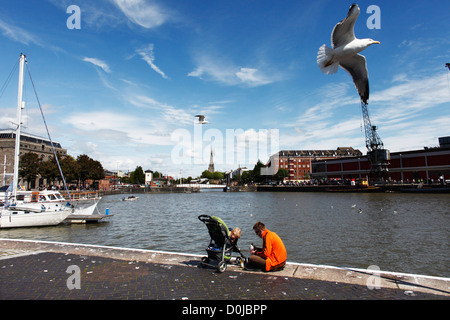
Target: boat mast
[4, 171]
[20, 106]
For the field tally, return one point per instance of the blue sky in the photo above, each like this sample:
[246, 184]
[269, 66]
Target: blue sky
[124, 89]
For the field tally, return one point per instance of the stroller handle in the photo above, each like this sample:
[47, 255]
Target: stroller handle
[204, 218]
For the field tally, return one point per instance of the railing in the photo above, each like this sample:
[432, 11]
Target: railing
[200, 185]
[84, 195]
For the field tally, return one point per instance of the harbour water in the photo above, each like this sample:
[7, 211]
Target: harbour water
[396, 232]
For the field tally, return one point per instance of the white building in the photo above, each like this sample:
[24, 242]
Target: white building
[148, 176]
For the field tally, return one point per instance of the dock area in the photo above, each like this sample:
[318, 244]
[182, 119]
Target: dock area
[382, 188]
[41, 270]
[86, 218]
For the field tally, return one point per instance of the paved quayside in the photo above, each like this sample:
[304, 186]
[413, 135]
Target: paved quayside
[47, 270]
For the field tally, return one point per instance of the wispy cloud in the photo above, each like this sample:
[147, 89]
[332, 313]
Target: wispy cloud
[148, 56]
[115, 132]
[166, 115]
[214, 70]
[18, 34]
[409, 99]
[99, 63]
[327, 100]
[252, 77]
[225, 72]
[146, 14]
[26, 37]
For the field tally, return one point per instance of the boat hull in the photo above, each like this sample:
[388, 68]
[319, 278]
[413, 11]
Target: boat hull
[14, 219]
[86, 210]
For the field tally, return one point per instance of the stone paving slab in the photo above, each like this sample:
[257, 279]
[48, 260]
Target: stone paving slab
[46, 276]
[33, 270]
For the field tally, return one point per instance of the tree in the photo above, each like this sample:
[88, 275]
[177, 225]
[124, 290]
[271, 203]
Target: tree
[29, 167]
[88, 168]
[49, 170]
[97, 171]
[125, 179]
[207, 174]
[137, 176]
[237, 178]
[246, 177]
[83, 163]
[281, 174]
[256, 172]
[156, 174]
[218, 175]
[69, 168]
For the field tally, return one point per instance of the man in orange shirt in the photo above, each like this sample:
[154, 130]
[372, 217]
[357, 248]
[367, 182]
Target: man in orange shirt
[272, 256]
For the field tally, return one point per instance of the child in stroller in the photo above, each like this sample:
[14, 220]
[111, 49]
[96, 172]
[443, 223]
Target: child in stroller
[221, 245]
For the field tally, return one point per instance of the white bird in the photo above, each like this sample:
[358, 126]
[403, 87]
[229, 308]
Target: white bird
[345, 53]
[201, 119]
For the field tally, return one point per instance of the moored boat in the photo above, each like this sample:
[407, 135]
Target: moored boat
[130, 198]
[15, 212]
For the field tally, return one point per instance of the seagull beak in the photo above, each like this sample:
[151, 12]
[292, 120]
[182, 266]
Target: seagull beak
[376, 42]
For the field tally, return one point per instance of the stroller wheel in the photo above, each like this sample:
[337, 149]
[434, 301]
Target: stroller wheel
[222, 266]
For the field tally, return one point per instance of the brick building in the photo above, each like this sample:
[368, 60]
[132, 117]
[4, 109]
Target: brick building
[428, 164]
[28, 143]
[298, 163]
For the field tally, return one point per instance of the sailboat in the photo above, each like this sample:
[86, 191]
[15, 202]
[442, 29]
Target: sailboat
[18, 213]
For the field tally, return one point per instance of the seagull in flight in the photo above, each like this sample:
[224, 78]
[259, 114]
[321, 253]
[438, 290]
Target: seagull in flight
[201, 119]
[345, 53]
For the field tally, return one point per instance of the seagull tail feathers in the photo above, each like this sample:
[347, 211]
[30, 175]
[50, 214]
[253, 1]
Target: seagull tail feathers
[325, 60]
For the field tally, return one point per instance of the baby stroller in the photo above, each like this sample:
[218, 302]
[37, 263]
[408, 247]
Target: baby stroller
[220, 247]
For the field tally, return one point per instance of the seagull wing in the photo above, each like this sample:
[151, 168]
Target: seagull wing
[200, 117]
[357, 67]
[343, 31]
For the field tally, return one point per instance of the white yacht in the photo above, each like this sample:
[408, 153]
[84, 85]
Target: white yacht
[16, 211]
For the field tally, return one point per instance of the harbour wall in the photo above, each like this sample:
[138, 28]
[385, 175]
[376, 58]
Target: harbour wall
[403, 188]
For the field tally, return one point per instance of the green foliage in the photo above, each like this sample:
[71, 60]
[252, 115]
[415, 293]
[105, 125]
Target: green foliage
[281, 174]
[207, 175]
[81, 169]
[29, 166]
[88, 168]
[137, 176]
[213, 175]
[251, 176]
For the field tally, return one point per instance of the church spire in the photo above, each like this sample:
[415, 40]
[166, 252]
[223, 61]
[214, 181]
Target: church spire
[211, 162]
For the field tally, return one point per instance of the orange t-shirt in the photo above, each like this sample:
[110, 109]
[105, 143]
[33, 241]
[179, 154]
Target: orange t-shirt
[273, 250]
